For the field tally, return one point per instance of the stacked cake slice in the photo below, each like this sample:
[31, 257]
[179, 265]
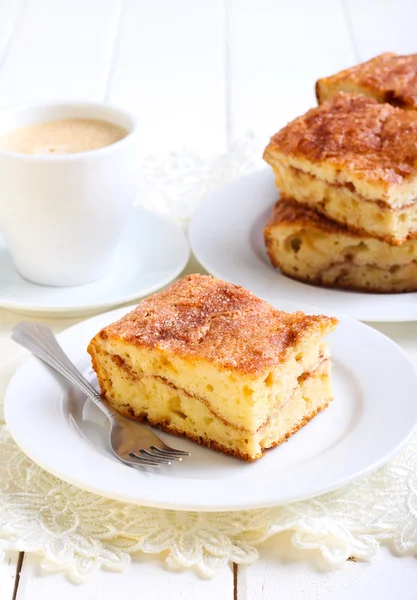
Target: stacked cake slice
[347, 172]
[314, 249]
[388, 78]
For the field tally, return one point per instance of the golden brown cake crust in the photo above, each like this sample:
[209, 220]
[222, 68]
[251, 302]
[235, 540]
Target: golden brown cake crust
[391, 77]
[200, 317]
[287, 210]
[355, 133]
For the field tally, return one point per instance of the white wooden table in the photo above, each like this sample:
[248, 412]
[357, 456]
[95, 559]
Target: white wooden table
[200, 74]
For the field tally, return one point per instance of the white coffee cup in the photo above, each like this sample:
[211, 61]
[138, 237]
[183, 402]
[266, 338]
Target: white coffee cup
[62, 215]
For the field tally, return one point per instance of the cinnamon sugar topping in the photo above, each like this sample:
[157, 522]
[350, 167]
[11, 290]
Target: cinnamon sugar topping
[354, 133]
[200, 317]
[391, 77]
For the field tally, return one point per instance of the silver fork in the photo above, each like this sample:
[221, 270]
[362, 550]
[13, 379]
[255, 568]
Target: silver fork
[132, 443]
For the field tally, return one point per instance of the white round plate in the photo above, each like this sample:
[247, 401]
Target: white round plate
[226, 236]
[373, 415]
[151, 253]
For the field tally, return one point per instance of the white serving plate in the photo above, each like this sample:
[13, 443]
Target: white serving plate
[373, 415]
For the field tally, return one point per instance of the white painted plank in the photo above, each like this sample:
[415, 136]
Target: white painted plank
[61, 49]
[277, 52]
[383, 25]
[8, 568]
[146, 579]
[170, 71]
[10, 13]
[281, 573]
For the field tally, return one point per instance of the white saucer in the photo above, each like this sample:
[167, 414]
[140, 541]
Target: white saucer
[373, 415]
[151, 253]
[226, 236]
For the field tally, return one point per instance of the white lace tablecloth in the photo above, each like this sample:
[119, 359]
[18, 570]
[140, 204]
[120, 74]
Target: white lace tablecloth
[78, 532]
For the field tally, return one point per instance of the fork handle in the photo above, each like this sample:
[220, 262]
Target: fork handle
[41, 341]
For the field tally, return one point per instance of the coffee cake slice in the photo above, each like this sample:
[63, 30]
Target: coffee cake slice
[388, 77]
[308, 247]
[210, 361]
[355, 161]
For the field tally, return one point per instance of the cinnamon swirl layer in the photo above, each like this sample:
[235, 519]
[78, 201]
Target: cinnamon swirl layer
[164, 405]
[342, 203]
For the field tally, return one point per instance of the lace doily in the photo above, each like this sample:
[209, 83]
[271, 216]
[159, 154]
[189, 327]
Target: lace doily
[78, 532]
